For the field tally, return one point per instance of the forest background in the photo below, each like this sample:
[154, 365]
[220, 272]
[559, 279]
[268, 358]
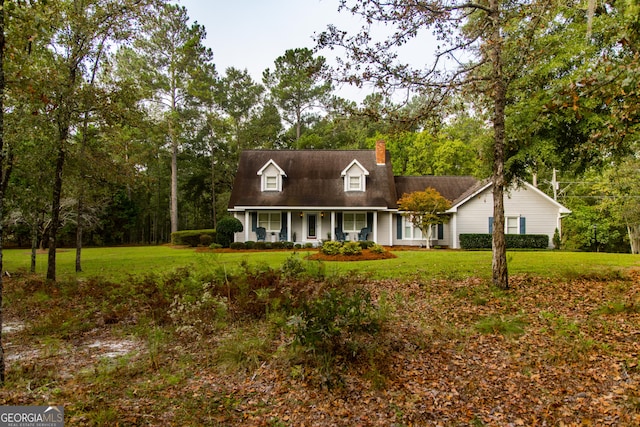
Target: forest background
[119, 128]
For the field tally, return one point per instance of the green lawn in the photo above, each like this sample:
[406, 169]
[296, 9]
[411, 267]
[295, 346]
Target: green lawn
[117, 263]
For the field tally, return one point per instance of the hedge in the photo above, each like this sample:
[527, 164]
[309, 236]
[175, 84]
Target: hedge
[192, 237]
[513, 241]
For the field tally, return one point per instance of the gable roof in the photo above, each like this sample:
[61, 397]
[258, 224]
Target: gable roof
[450, 187]
[484, 185]
[313, 179]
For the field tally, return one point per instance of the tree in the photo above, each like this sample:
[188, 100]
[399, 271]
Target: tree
[425, 209]
[2, 173]
[297, 84]
[622, 186]
[173, 54]
[74, 36]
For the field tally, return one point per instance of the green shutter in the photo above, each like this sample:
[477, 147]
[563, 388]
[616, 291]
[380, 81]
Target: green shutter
[490, 225]
[399, 227]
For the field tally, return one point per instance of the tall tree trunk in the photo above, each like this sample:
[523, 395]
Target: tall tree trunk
[174, 180]
[213, 189]
[2, 366]
[499, 87]
[63, 131]
[34, 246]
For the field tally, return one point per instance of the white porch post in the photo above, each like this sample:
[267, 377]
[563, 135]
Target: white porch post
[375, 226]
[247, 223]
[390, 228]
[333, 225]
[288, 226]
[454, 231]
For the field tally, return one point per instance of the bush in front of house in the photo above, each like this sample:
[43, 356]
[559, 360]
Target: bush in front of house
[237, 245]
[331, 248]
[351, 248]
[366, 244]
[513, 241]
[227, 226]
[192, 237]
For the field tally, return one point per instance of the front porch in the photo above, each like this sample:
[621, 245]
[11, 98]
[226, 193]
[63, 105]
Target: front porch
[308, 226]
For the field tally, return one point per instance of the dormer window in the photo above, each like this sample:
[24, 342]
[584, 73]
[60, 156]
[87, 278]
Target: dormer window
[355, 177]
[271, 177]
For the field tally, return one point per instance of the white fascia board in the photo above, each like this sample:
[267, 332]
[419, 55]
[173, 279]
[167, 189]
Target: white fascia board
[454, 208]
[356, 162]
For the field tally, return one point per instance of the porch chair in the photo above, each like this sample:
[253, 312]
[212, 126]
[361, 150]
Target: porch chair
[340, 237]
[362, 235]
[261, 234]
[282, 236]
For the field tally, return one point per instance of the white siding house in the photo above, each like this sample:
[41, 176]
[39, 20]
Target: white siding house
[527, 210]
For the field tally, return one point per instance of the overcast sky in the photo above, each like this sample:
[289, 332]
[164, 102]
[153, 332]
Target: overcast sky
[251, 34]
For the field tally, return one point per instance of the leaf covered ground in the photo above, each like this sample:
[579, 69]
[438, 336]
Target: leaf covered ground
[450, 353]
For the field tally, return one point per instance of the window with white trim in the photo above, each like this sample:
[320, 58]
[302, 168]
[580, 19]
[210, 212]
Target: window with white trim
[355, 177]
[410, 231]
[271, 176]
[355, 182]
[353, 221]
[512, 225]
[270, 221]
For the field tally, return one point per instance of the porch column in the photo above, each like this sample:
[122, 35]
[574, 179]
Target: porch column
[391, 228]
[333, 225]
[289, 226]
[453, 229]
[247, 223]
[375, 226]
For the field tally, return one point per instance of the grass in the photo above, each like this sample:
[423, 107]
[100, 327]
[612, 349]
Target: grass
[225, 343]
[120, 262]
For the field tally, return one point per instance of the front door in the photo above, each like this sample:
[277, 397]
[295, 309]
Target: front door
[312, 220]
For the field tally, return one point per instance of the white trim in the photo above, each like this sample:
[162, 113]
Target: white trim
[264, 178]
[362, 177]
[562, 209]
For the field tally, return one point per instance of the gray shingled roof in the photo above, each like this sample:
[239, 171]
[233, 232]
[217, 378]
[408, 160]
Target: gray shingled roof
[313, 179]
[450, 187]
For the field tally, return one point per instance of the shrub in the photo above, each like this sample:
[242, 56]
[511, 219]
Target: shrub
[475, 241]
[191, 237]
[351, 248]
[206, 239]
[260, 245]
[366, 244]
[250, 244]
[377, 249]
[328, 324]
[238, 245]
[288, 245]
[308, 245]
[298, 246]
[215, 246]
[513, 241]
[225, 229]
[331, 248]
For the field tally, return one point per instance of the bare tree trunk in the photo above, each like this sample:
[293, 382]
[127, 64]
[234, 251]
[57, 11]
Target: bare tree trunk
[499, 264]
[634, 238]
[34, 246]
[55, 204]
[213, 189]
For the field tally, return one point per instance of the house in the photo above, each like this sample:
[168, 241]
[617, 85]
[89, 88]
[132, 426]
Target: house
[307, 196]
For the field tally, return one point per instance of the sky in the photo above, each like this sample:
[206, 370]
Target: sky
[251, 34]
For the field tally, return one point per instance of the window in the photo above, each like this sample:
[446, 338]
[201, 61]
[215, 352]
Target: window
[410, 232]
[512, 225]
[355, 183]
[271, 183]
[271, 176]
[355, 177]
[270, 221]
[353, 221]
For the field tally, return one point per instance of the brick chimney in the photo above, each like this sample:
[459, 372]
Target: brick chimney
[381, 152]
